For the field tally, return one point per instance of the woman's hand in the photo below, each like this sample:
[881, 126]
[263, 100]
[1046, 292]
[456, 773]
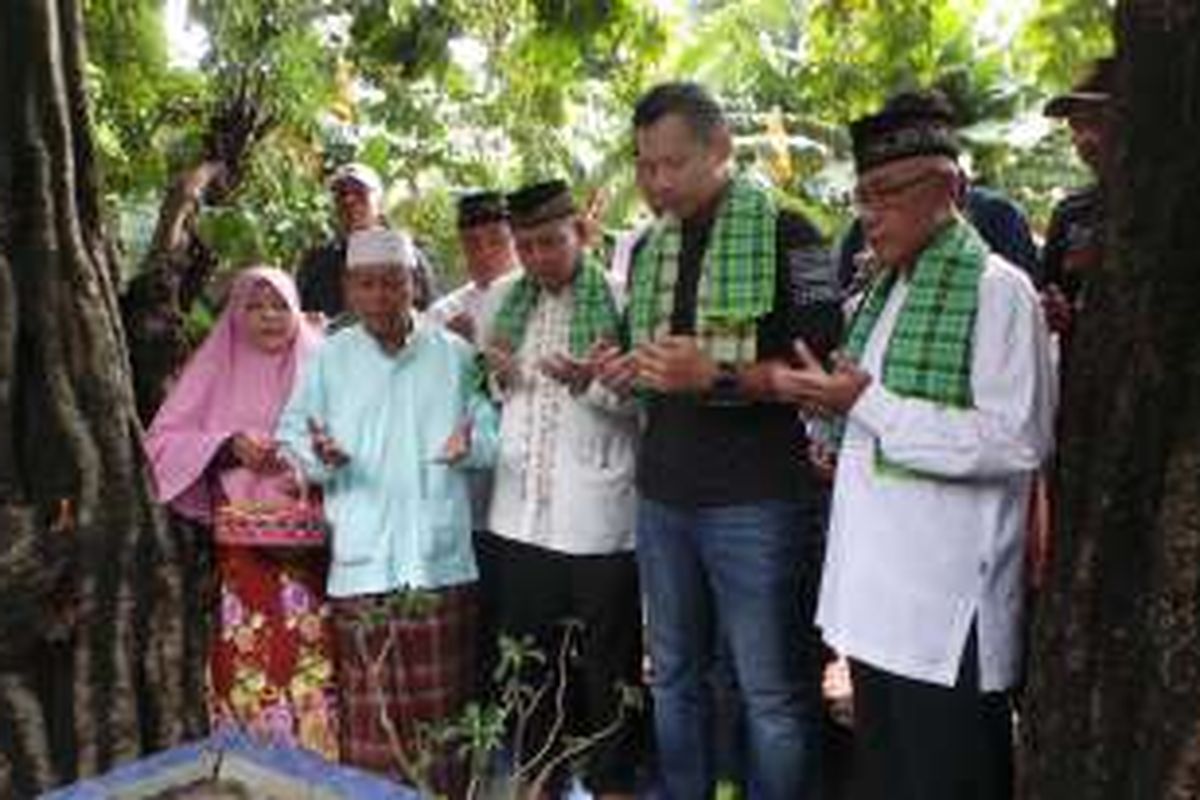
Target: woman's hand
[256, 453]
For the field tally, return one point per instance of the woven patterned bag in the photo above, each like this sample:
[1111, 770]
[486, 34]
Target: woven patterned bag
[284, 523]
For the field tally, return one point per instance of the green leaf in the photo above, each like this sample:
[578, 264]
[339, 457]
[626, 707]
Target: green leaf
[233, 233]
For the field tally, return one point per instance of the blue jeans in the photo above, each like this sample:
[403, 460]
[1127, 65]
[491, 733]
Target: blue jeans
[747, 569]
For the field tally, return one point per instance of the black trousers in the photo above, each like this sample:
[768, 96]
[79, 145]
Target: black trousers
[536, 593]
[921, 741]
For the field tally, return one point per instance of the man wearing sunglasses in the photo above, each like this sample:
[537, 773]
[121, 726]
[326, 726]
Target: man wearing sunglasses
[943, 389]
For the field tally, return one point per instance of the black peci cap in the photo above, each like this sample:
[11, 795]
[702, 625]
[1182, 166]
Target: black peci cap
[541, 202]
[481, 208]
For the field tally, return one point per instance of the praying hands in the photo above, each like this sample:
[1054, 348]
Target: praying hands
[674, 364]
[457, 445]
[325, 447]
[616, 370]
[502, 365]
[574, 373]
[256, 453]
[817, 390]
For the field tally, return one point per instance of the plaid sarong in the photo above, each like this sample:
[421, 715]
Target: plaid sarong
[929, 353]
[415, 653]
[737, 278]
[594, 313]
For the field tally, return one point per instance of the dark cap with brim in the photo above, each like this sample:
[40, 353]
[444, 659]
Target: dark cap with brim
[540, 202]
[910, 124]
[481, 208]
[1088, 94]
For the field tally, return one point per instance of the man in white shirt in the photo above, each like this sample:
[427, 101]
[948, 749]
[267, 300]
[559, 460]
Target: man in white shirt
[389, 418]
[491, 260]
[562, 511]
[945, 388]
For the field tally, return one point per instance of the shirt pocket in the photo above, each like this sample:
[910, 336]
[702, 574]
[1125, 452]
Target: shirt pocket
[354, 540]
[445, 507]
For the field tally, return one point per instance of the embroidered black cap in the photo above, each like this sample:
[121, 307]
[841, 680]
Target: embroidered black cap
[914, 123]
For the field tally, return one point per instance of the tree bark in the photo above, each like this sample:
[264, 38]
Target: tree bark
[91, 632]
[1112, 704]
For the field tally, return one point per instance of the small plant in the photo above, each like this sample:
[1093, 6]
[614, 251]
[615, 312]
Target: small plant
[476, 736]
[414, 763]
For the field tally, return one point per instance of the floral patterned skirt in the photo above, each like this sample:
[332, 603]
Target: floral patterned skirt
[271, 663]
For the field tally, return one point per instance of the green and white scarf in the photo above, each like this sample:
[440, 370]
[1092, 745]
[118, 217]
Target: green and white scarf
[594, 313]
[930, 350]
[737, 279]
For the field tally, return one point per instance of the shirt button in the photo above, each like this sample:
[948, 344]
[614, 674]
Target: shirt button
[983, 567]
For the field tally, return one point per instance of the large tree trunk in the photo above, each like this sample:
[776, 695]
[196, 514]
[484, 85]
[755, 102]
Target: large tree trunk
[90, 625]
[1113, 705]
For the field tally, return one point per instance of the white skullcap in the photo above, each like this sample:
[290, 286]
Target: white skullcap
[380, 247]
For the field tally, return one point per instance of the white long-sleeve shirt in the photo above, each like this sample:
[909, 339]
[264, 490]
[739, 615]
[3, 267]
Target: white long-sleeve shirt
[478, 302]
[912, 561]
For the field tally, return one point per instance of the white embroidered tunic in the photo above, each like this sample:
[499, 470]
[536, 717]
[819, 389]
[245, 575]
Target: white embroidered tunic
[564, 477]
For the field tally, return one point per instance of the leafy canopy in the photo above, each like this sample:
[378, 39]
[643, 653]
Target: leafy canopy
[440, 96]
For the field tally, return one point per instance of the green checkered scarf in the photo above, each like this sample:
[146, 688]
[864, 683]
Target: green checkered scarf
[737, 279]
[929, 353]
[593, 315]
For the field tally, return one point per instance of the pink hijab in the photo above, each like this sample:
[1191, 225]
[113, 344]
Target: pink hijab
[229, 386]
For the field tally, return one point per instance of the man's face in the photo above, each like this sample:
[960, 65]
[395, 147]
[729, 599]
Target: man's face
[355, 206]
[488, 250]
[1089, 135]
[678, 171]
[379, 295]
[902, 203]
[550, 251]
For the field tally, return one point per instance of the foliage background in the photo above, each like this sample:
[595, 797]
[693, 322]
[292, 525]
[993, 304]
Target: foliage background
[444, 96]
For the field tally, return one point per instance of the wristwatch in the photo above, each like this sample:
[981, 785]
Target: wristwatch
[727, 384]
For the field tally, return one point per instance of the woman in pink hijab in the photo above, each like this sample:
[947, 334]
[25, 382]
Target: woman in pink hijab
[269, 665]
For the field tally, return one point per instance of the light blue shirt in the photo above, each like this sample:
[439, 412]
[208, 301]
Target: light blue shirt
[400, 519]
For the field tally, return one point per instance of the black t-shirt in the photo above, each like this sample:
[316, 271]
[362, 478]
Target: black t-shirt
[319, 278]
[697, 453]
[1074, 240]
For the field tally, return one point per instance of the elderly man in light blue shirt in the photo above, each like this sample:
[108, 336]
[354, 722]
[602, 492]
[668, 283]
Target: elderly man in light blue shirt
[389, 419]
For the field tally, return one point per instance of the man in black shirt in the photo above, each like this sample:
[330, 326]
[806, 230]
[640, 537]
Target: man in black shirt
[1074, 245]
[722, 287]
[357, 194]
